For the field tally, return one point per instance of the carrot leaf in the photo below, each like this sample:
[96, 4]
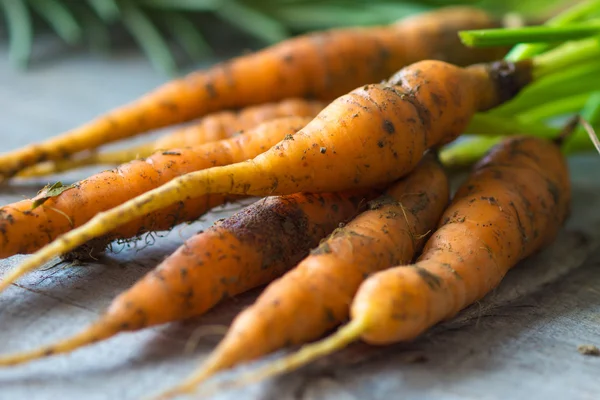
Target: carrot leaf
[49, 192]
[107, 10]
[184, 32]
[60, 18]
[20, 31]
[252, 21]
[148, 37]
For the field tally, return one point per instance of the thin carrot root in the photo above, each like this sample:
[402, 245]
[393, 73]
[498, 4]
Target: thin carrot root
[424, 105]
[248, 249]
[26, 229]
[213, 127]
[342, 338]
[321, 65]
[100, 330]
[109, 158]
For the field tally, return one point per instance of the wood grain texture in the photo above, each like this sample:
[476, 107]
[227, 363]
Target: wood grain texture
[518, 343]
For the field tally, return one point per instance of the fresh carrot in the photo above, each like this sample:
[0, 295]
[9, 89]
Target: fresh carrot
[213, 127]
[373, 135]
[512, 205]
[315, 296]
[23, 229]
[321, 65]
[244, 251]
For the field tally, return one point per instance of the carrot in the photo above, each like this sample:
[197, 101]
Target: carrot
[373, 135]
[246, 250]
[23, 229]
[213, 127]
[315, 296]
[512, 205]
[321, 65]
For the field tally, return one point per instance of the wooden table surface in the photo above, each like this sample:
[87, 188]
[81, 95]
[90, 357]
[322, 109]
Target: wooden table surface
[518, 343]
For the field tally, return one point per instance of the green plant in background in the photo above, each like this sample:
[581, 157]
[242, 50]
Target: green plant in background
[154, 24]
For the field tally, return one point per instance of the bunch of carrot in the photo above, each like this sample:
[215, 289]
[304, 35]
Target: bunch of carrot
[352, 191]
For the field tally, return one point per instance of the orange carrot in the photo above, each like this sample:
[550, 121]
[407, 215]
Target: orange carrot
[213, 127]
[513, 205]
[244, 251]
[322, 65]
[315, 296]
[371, 136]
[23, 229]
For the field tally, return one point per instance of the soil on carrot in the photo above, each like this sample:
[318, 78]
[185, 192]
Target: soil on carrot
[588, 350]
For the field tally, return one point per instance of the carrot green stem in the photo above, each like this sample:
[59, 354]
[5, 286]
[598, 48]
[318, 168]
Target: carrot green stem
[577, 79]
[471, 149]
[573, 14]
[566, 55]
[554, 109]
[468, 151]
[530, 34]
[492, 125]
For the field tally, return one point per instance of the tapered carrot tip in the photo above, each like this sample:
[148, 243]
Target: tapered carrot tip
[96, 332]
[190, 385]
[345, 335]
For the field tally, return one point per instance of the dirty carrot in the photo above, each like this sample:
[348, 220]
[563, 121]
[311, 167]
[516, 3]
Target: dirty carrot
[24, 229]
[373, 135]
[315, 296]
[248, 249]
[513, 205]
[321, 65]
[213, 127]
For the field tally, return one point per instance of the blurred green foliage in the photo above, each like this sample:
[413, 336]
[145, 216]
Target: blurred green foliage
[158, 26]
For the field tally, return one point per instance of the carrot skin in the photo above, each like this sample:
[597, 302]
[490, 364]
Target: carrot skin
[321, 65]
[244, 251]
[315, 296]
[372, 136]
[24, 230]
[225, 124]
[512, 206]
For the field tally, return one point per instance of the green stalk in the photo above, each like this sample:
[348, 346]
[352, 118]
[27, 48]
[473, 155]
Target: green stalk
[566, 55]
[554, 109]
[530, 34]
[573, 14]
[577, 79]
[468, 150]
[492, 125]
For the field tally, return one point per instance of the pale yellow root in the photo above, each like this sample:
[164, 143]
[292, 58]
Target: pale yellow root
[108, 158]
[94, 333]
[308, 353]
[195, 184]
